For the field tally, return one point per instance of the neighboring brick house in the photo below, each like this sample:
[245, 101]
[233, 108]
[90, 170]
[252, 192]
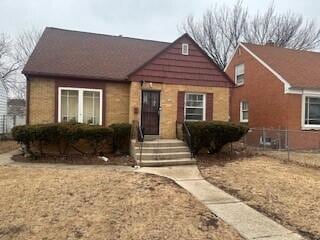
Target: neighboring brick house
[103, 79]
[277, 88]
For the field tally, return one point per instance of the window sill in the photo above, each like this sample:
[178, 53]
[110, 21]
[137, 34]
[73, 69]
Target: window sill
[239, 84]
[244, 121]
[309, 128]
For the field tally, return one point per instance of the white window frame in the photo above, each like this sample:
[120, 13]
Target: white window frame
[236, 74]
[80, 101]
[204, 106]
[303, 104]
[183, 47]
[242, 120]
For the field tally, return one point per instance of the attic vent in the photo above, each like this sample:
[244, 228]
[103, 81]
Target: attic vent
[185, 49]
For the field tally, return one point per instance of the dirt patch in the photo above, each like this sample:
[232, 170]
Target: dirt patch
[113, 159]
[289, 193]
[8, 146]
[99, 203]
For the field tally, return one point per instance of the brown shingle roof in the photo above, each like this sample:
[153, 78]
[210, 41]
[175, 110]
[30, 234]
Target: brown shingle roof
[88, 55]
[300, 68]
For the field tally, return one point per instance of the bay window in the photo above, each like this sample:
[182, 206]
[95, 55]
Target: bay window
[194, 106]
[80, 105]
[311, 111]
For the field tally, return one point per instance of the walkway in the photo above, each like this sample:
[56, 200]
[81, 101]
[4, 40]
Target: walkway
[247, 221]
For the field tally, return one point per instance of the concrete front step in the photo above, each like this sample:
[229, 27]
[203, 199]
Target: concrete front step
[163, 149]
[163, 143]
[161, 163]
[163, 156]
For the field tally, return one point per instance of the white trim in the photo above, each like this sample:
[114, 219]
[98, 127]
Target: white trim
[230, 60]
[80, 101]
[204, 105]
[303, 102]
[241, 112]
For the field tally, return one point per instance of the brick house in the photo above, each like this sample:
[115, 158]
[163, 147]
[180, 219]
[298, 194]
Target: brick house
[277, 88]
[104, 79]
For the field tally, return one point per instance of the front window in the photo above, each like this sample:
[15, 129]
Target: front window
[312, 111]
[239, 74]
[194, 107]
[244, 111]
[80, 105]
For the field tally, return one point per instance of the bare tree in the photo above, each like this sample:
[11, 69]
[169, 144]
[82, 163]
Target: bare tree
[23, 47]
[219, 31]
[222, 28]
[25, 43]
[8, 67]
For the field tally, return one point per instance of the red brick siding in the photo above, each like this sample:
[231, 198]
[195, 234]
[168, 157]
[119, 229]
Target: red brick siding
[172, 67]
[268, 105]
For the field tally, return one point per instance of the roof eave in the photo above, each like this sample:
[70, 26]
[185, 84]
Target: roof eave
[73, 76]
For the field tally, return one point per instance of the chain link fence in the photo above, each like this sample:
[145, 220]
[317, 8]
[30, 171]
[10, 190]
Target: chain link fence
[289, 145]
[7, 122]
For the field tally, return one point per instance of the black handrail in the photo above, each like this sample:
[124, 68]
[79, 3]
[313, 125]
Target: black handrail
[140, 138]
[187, 137]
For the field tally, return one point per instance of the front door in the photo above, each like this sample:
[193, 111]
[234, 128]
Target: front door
[150, 111]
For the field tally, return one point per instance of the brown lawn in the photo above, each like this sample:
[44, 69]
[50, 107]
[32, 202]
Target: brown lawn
[287, 192]
[7, 146]
[100, 203]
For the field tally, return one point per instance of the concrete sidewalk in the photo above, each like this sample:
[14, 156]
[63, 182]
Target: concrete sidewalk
[247, 221]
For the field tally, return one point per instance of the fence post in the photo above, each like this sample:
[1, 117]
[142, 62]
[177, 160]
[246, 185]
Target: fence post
[288, 146]
[279, 144]
[3, 124]
[264, 138]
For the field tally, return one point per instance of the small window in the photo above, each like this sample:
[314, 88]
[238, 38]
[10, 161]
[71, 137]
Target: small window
[239, 74]
[185, 49]
[267, 141]
[312, 112]
[244, 111]
[194, 107]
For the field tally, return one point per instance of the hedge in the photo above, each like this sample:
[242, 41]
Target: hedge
[121, 137]
[62, 135]
[213, 135]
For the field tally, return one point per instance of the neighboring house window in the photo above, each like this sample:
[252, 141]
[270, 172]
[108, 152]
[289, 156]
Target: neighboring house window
[185, 49]
[195, 106]
[239, 74]
[312, 112]
[244, 111]
[80, 105]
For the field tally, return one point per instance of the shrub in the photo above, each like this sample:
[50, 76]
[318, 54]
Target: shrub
[96, 136]
[213, 135]
[63, 135]
[121, 137]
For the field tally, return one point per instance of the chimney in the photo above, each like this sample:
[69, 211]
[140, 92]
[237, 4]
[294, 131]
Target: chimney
[270, 43]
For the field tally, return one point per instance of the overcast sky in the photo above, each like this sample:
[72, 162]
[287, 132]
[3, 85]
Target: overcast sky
[149, 19]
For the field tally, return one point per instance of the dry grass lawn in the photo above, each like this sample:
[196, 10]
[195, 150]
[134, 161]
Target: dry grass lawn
[100, 203]
[287, 192]
[7, 146]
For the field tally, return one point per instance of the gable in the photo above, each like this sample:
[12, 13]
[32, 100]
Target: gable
[171, 66]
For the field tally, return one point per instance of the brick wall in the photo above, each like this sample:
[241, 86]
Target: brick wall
[41, 101]
[268, 105]
[43, 105]
[117, 102]
[168, 102]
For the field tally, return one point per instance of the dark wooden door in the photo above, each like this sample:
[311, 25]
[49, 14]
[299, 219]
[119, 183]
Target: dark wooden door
[150, 112]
